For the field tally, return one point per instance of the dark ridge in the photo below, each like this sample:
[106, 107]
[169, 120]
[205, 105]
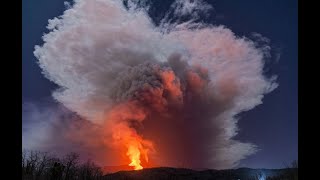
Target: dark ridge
[186, 174]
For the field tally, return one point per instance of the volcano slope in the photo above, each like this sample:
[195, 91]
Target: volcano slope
[186, 174]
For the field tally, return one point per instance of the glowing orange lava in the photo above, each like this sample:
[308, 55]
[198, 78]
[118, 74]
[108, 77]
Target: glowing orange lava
[134, 155]
[124, 136]
[137, 147]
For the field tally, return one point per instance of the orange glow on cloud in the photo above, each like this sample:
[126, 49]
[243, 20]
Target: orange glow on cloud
[171, 84]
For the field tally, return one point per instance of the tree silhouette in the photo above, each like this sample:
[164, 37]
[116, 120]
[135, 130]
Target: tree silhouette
[44, 166]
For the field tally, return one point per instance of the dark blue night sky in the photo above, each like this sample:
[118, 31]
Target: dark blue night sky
[273, 126]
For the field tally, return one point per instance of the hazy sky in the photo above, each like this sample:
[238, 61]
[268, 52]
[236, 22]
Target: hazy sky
[272, 126]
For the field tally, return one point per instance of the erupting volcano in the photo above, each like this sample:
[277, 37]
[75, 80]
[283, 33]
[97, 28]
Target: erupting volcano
[155, 95]
[155, 92]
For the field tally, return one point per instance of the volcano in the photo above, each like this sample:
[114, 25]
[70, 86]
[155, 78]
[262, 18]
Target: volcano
[167, 93]
[113, 169]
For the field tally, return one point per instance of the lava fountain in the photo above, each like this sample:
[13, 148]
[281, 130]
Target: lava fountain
[124, 135]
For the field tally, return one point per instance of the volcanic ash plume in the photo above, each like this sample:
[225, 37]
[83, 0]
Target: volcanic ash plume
[161, 95]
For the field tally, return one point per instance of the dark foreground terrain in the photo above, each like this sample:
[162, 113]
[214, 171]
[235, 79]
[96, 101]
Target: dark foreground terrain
[186, 174]
[44, 166]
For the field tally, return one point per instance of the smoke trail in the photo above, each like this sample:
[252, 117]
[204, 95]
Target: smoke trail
[166, 94]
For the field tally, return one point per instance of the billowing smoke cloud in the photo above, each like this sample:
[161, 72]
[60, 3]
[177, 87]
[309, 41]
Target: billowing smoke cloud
[167, 93]
[52, 128]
